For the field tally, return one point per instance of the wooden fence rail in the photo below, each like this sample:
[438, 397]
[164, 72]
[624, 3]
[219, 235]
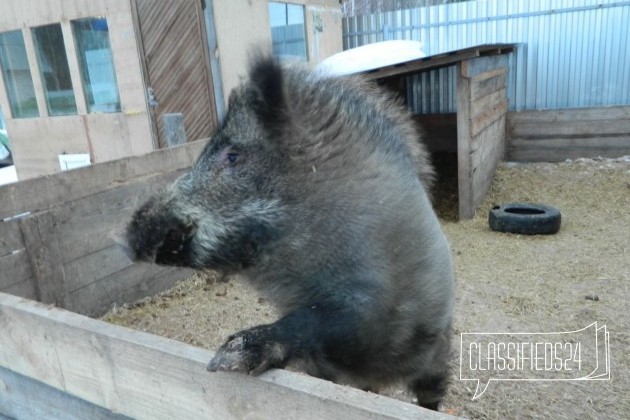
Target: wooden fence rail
[556, 135]
[57, 232]
[58, 364]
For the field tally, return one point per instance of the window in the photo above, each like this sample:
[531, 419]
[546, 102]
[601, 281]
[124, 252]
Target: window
[53, 67]
[17, 75]
[288, 33]
[96, 64]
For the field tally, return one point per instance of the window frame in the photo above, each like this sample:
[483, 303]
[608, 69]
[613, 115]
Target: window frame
[11, 86]
[305, 53]
[84, 73]
[60, 56]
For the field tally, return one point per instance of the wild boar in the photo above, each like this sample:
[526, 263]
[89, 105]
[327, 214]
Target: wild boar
[316, 190]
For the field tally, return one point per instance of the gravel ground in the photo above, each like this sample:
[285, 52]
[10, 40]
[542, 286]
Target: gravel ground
[506, 283]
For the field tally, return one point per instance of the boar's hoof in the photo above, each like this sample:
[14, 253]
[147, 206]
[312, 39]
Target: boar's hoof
[250, 352]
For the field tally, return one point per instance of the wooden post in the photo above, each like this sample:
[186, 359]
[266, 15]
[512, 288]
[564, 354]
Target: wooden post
[464, 174]
[39, 233]
[481, 110]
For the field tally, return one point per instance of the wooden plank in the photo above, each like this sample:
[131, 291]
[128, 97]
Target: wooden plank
[10, 237]
[128, 285]
[439, 60]
[24, 397]
[23, 289]
[560, 149]
[557, 135]
[496, 73]
[464, 165]
[477, 66]
[574, 114]
[489, 151]
[41, 193]
[423, 64]
[145, 377]
[485, 87]
[487, 117]
[88, 224]
[14, 268]
[488, 102]
[16, 275]
[94, 267]
[40, 241]
[488, 148]
[550, 129]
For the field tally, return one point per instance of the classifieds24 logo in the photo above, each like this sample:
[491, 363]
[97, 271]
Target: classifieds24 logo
[581, 355]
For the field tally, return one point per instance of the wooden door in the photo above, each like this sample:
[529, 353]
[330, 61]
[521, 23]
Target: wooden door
[173, 47]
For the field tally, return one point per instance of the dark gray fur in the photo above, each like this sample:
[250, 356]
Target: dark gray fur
[315, 189]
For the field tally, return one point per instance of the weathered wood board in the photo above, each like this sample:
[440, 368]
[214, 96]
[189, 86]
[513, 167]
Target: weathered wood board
[23, 397]
[481, 111]
[41, 193]
[556, 135]
[107, 368]
[62, 249]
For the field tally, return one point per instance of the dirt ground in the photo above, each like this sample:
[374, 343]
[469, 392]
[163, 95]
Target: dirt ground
[506, 283]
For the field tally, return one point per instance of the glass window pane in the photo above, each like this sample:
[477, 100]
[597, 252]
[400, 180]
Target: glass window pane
[295, 14]
[17, 75]
[53, 67]
[97, 65]
[288, 32]
[277, 14]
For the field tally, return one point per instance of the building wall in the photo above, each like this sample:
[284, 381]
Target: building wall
[239, 24]
[323, 29]
[37, 142]
[242, 24]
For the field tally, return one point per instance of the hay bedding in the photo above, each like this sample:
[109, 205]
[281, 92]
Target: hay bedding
[505, 283]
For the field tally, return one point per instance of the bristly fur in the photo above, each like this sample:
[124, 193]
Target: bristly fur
[267, 76]
[347, 110]
[316, 189]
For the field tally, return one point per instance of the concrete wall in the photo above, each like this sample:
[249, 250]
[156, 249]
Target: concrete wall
[241, 24]
[37, 142]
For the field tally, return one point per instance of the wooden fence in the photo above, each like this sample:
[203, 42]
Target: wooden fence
[57, 232]
[556, 135]
[546, 136]
[58, 364]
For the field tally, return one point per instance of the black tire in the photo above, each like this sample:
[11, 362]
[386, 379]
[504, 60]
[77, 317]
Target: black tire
[525, 219]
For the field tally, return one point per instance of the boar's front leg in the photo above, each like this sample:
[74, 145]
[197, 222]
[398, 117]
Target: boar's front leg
[251, 351]
[313, 332]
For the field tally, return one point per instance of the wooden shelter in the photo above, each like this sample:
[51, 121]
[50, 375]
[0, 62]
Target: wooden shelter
[482, 106]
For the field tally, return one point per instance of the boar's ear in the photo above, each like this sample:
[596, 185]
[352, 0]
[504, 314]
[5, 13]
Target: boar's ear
[267, 78]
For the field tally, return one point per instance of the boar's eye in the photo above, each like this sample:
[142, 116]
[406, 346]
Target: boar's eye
[230, 156]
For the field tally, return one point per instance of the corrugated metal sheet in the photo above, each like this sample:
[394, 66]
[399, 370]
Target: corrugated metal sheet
[571, 53]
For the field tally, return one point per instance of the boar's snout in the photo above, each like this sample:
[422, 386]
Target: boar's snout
[156, 235]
